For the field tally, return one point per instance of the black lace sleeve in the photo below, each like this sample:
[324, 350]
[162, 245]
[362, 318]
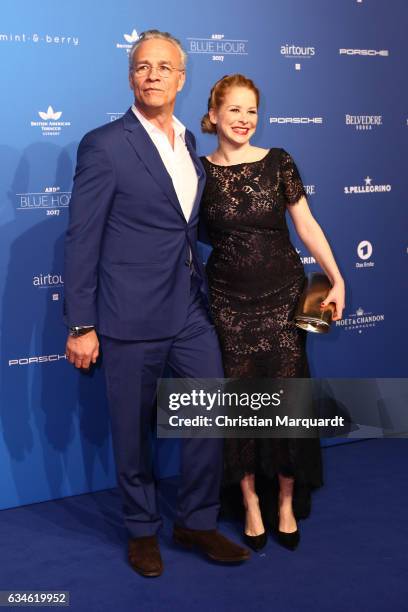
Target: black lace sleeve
[292, 183]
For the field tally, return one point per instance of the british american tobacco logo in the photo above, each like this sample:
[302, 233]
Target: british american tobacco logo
[50, 124]
[129, 39]
[50, 114]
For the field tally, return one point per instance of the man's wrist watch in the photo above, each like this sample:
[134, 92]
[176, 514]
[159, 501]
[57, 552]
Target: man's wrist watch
[80, 330]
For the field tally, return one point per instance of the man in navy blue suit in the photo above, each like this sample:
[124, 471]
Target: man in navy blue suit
[134, 282]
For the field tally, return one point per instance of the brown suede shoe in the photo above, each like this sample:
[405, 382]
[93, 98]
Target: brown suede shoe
[216, 546]
[144, 556]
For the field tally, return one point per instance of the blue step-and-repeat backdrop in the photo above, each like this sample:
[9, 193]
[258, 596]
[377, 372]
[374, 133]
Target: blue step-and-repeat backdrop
[334, 94]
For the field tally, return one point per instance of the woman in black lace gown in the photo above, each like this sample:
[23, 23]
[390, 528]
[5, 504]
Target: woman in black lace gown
[255, 278]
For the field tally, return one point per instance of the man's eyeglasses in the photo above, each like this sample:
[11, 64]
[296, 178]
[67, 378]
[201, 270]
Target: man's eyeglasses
[163, 70]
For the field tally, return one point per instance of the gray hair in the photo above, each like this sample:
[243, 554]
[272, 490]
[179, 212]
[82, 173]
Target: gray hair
[156, 34]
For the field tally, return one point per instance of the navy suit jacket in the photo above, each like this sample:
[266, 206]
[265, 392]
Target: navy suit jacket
[127, 245]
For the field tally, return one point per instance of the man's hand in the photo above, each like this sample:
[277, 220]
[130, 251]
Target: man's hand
[84, 350]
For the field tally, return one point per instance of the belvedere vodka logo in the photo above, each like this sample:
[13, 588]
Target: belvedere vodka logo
[363, 122]
[310, 189]
[50, 124]
[368, 187]
[364, 252]
[51, 200]
[129, 39]
[217, 46]
[296, 52]
[360, 320]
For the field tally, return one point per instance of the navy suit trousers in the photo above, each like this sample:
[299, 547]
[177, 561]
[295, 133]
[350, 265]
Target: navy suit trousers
[131, 371]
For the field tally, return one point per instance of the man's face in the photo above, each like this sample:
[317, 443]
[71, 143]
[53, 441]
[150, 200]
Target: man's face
[156, 77]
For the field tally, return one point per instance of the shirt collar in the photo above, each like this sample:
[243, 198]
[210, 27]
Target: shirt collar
[178, 127]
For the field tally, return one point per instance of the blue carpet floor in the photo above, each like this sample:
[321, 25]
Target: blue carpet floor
[352, 555]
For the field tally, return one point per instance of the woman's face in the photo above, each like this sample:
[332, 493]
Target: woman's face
[237, 116]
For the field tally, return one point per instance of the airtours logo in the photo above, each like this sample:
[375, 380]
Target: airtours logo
[48, 281]
[296, 52]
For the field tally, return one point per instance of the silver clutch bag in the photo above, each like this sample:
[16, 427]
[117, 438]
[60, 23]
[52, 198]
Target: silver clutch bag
[309, 315]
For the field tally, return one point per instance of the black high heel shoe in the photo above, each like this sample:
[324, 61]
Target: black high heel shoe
[288, 540]
[256, 542]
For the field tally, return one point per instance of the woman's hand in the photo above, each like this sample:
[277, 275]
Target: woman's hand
[312, 236]
[336, 295]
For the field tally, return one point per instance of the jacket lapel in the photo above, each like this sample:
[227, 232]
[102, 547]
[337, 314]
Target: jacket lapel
[200, 174]
[150, 157]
